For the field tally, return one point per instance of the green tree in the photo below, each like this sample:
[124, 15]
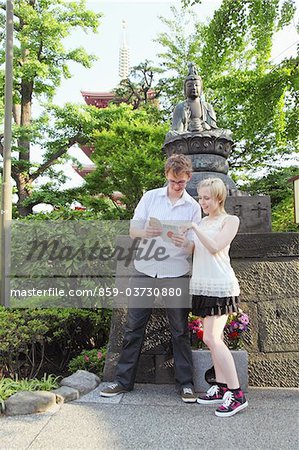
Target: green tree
[140, 87]
[252, 96]
[275, 184]
[179, 48]
[128, 157]
[40, 62]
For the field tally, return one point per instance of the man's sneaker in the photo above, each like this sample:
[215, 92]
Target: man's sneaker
[214, 395]
[112, 390]
[188, 395]
[232, 403]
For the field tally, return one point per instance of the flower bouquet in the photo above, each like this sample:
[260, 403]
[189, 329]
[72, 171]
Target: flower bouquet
[237, 324]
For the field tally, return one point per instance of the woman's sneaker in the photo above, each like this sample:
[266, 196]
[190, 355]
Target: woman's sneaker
[214, 395]
[233, 402]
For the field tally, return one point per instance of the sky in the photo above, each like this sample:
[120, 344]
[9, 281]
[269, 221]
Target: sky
[143, 26]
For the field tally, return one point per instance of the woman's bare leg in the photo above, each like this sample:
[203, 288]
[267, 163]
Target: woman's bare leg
[223, 361]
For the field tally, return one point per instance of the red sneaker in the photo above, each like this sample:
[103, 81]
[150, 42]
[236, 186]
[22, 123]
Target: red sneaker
[232, 403]
[214, 395]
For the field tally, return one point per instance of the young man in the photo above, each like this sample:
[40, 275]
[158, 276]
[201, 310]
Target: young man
[169, 203]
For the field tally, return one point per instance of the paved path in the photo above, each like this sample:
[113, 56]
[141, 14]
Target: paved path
[154, 417]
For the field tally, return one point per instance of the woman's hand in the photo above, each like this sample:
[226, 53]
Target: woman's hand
[186, 227]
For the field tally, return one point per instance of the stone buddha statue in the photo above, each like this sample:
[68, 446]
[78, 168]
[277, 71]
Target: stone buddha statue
[194, 114]
[194, 132]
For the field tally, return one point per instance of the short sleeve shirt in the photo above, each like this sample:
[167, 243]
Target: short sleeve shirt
[156, 203]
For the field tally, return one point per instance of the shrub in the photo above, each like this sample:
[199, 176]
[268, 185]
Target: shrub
[90, 360]
[39, 340]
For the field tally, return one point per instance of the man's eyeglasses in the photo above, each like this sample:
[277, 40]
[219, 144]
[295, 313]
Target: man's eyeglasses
[179, 183]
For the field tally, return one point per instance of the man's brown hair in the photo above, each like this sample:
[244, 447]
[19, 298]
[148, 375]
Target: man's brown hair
[178, 164]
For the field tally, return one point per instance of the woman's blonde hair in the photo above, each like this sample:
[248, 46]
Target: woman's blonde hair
[218, 190]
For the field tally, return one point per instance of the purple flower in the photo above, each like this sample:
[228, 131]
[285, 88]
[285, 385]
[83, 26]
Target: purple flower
[234, 325]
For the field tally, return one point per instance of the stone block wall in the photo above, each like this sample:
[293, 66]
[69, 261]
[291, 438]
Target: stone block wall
[267, 266]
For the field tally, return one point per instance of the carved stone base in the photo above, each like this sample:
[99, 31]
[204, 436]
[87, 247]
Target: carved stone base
[215, 142]
[203, 162]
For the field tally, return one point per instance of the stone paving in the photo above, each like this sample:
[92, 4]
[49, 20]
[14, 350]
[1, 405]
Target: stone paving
[154, 417]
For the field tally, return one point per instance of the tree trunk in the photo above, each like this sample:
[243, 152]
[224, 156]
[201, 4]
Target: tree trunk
[23, 116]
[26, 92]
[16, 111]
[23, 188]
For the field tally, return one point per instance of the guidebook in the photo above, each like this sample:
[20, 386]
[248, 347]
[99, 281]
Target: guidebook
[168, 228]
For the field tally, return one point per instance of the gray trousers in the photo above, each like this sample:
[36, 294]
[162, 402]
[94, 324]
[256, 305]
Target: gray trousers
[139, 312]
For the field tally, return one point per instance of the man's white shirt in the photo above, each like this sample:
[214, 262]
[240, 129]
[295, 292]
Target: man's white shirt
[156, 203]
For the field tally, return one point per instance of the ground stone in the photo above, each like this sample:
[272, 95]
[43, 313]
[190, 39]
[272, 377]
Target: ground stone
[27, 402]
[82, 381]
[66, 393]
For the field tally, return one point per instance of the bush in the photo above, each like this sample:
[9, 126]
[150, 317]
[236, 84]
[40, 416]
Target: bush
[283, 216]
[276, 184]
[44, 340]
[90, 360]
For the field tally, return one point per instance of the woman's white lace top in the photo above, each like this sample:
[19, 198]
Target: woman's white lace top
[212, 274]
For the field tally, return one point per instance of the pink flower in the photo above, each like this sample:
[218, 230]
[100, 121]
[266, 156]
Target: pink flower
[86, 358]
[234, 325]
[100, 354]
[244, 319]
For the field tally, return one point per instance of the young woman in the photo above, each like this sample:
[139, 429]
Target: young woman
[215, 289]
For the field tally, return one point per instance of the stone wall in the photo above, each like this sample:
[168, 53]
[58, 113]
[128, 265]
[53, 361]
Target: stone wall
[268, 270]
[267, 267]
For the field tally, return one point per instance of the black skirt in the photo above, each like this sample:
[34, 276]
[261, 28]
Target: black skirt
[203, 305]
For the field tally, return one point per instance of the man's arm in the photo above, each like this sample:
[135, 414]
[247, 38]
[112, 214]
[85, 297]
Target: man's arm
[145, 233]
[139, 226]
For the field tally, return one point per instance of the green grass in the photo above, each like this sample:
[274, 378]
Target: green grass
[10, 386]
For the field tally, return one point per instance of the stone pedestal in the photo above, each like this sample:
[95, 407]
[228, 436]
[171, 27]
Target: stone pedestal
[215, 141]
[197, 177]
[208, 151]
[202, 361]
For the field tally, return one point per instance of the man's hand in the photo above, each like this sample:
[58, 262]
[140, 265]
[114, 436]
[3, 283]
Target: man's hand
[152, 231]
[179, 240]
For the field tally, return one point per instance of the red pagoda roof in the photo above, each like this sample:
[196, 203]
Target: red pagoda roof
[85, 170]
[87, 150]
[98, 99]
